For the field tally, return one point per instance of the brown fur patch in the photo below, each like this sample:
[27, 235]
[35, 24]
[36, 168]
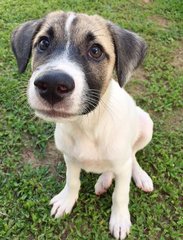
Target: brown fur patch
[147, 1]
[98, 27]
[55, 20]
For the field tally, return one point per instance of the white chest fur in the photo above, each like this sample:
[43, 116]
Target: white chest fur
[90, 154]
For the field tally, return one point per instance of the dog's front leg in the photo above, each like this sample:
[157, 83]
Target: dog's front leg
[65, 200]
[120, 217]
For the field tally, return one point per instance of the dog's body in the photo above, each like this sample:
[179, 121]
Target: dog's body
[99, 128]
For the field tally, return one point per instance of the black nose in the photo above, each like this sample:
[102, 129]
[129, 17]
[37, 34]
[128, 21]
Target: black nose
[53, 86]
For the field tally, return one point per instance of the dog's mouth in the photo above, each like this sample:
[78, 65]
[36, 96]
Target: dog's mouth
[54, 114]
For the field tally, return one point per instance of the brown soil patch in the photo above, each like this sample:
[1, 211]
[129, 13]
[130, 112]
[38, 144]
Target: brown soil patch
[136, 85]
[140, 74]
[52, 157]
[175, 120]
[135, 88]
[178, 57]
[160, 21]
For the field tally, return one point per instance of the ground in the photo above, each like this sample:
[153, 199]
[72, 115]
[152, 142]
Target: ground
[31, 169]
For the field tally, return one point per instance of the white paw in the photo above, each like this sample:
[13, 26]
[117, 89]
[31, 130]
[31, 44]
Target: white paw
[119, 225]
[103, 183]
[142, 180]
[63, 203]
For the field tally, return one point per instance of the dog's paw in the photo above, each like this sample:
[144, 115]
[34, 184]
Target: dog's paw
[119, 225]
[103, 183]
[63, 203]
[142, 180]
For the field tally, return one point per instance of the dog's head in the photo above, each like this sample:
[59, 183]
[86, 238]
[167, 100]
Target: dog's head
[73, 57]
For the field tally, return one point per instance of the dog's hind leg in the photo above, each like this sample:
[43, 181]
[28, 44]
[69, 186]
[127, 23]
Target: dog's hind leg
[140, 177]
[103, 182]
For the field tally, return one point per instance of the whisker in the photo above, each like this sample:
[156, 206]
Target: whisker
[107, 107]
[96, 30]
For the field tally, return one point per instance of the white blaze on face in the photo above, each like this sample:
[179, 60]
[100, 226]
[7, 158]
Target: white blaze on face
[68, 24]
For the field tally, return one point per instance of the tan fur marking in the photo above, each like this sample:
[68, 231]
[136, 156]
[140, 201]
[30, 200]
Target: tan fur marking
[98, 26]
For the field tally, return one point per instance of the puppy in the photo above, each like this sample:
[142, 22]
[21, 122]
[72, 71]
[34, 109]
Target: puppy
[99, 128]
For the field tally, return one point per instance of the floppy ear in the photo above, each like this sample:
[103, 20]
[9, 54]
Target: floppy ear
[21, 42]
[130, 51]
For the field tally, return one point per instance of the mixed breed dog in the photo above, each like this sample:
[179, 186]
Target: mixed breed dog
[99, 128]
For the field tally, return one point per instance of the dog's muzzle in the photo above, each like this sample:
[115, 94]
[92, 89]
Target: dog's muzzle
[53, 86]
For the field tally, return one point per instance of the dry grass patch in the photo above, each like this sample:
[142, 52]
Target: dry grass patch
[136, 86]
[178, 56]
[51, 159]
[140, 74]
[160, 21]
[174, 121]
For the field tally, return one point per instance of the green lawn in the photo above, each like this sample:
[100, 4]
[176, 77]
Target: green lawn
[32, 171]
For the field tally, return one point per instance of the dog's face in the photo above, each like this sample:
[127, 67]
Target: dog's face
[73, 57]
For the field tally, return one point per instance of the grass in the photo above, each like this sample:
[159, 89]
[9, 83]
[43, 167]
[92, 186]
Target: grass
[32, 171]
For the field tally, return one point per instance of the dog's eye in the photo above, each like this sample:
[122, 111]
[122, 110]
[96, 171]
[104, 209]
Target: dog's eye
[43, 44]
[95, 52]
